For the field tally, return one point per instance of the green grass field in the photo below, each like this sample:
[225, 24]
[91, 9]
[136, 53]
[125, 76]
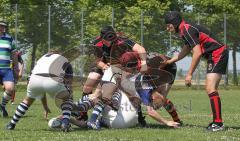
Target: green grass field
[193, 107]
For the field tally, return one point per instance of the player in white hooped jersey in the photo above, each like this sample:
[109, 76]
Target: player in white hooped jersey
[53, 75]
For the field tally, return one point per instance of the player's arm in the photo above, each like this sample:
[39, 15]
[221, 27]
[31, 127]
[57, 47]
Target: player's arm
[156, 116]
[184, 52]
[143, 56]
[197, 54]
[100, 64]
[45, 106]
[21, 66]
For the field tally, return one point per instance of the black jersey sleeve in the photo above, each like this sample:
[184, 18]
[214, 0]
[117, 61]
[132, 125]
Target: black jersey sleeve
[67, 67]
[191, 36]
[129, 42]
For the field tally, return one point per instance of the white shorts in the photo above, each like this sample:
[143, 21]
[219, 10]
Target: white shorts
[112, 74]
[125, 117]
[38, 86]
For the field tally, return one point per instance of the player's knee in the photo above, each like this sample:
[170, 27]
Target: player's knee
[210, 89]
[87, 89]
[9, 91]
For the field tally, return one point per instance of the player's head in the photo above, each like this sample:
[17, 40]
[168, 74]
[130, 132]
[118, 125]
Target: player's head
[3, 25]
[173, 19]
[130, 60]
[108, 35]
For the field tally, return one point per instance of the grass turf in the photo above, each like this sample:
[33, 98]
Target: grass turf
[193, 107]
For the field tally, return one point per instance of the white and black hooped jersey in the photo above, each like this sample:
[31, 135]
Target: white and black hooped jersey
[53, 65]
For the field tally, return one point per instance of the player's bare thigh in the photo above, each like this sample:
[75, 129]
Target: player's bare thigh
[91, 82]
[212, 82]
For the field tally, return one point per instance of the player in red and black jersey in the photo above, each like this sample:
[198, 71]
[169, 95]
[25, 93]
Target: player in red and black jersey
[109, 46]
[200, 41]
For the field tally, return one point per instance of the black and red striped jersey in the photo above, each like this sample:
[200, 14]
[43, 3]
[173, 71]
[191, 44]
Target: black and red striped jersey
[118, 47]
[196, 34]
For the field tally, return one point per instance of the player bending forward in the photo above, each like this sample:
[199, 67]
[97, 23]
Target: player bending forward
[53, 75]
[153, 87]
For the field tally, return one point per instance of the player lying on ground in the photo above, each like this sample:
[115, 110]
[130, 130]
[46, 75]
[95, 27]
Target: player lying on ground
[153, 87]
[125, 117]
[53, 75]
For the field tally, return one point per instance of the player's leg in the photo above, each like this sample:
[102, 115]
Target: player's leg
[217, 65]
[20, 111]
[212, 82]
[34, 91]
[116, 100]
[85, 103]
[109, 84]
[8, 83]
[92, 80]
[97, 110]
[167, 103]
[64, 101]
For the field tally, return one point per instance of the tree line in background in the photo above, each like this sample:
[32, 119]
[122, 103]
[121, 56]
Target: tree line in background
[76, 22]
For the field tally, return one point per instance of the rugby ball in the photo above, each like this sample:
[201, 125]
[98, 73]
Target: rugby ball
[54, 123]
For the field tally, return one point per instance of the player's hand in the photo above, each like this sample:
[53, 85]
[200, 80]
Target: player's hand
[46, 112]
[188, 80]
[172, 124]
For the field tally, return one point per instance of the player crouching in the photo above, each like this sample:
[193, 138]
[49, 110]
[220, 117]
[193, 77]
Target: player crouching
[153, 87]
[53, 75]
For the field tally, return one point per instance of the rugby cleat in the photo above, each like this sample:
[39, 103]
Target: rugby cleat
[4, 111]
[213, 127]
[10, 126]
[93, 125]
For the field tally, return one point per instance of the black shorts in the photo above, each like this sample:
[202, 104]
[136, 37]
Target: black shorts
[172, 68]
[97, 70]
[217, 61]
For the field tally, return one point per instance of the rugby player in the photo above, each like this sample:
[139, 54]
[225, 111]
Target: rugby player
[153, 87]
[201, 42]
[53, 75]
[7, 47]
[108, 47]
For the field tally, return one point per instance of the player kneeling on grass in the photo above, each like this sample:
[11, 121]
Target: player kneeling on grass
[53, 75]
[154, 86]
